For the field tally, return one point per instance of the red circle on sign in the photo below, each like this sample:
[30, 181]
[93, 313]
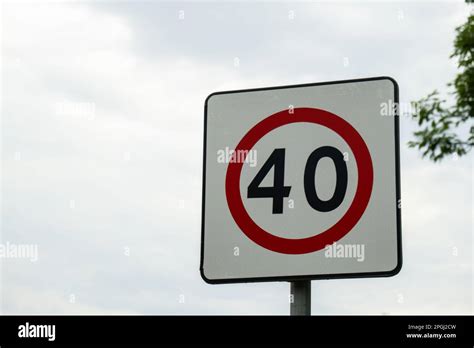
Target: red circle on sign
[341, 227]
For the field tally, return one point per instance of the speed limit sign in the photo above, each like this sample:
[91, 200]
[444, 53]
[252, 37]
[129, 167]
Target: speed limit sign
[302, 182]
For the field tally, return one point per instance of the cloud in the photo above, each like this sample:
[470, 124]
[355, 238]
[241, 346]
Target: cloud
[102, 122]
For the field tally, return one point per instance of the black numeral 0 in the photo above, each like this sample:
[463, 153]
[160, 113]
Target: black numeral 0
[279, 191]
[341, 179]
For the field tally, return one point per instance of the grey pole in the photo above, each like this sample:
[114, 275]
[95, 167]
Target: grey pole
[300, 299]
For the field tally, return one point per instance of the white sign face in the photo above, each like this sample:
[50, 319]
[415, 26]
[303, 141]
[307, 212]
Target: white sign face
[302, 182]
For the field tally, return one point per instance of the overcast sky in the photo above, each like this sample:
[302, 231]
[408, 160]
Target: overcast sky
[102, 126]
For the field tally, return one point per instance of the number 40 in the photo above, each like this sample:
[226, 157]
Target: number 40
[279, 191]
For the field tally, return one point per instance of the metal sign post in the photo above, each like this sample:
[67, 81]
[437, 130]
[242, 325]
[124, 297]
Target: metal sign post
[300, 300]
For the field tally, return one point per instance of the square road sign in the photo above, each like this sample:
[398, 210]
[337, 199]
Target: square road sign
[302, 182]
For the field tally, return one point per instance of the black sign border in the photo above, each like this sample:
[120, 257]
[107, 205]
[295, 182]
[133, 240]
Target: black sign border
[391, 273]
